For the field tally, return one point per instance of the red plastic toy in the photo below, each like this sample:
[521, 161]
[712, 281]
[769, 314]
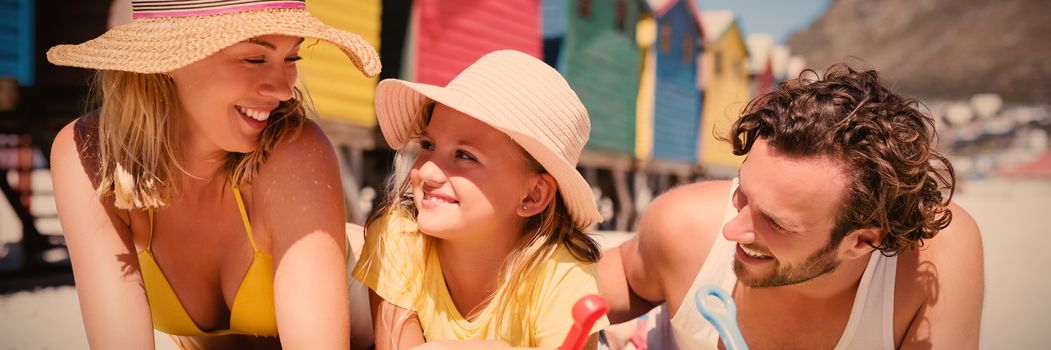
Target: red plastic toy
[586, 311]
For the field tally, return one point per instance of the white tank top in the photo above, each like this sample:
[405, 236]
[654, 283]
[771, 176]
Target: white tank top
[871, 322]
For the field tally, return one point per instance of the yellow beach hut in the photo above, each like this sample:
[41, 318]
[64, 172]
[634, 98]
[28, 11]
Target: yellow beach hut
[724, 78]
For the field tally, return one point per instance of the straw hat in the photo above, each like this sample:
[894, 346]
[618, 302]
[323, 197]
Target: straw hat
[516, 94]
[167, 35]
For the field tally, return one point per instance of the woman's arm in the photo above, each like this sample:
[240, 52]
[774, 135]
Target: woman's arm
[105, 265]
[300, 199]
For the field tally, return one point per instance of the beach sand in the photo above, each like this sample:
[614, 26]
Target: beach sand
[48, 318]
[1014, 217]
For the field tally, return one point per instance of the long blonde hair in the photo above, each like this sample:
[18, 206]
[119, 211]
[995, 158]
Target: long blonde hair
[543, 235]
[137, 139]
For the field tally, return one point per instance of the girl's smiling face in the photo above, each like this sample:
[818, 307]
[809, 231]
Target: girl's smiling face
[469, 179]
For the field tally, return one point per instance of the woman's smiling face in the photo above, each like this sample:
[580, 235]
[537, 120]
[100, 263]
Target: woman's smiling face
[226, 99]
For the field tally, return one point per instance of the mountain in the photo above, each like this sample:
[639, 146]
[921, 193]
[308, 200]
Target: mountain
[939, 49]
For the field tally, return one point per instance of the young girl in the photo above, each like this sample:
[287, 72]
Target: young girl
[199, 200]
[484, 239]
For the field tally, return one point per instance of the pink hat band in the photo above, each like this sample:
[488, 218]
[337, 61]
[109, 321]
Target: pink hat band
[185, 8]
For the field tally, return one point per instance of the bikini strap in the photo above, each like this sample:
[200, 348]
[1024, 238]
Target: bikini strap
[244, 218]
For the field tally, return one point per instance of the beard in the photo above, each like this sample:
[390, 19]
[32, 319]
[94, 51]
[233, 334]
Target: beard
[821, 262]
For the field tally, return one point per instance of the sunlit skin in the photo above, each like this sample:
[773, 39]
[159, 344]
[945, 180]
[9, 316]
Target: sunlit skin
[255, 74]
[199, 239]
[786, 209]
[468, 179]
[473, 190]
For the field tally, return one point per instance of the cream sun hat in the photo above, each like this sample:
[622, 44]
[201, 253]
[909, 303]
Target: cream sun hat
[516, 94]
[169, 34]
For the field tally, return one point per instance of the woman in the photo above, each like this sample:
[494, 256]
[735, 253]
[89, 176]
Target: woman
[484, 239]
[198, 199]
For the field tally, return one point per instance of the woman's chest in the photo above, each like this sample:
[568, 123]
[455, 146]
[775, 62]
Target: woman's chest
[202, 253]
[206, 227]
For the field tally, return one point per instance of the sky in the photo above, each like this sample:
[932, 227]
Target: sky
[779, 18]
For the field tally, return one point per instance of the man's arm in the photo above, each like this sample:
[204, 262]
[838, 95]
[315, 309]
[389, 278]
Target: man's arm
[659, 263]
[624, 303]
[953, 260]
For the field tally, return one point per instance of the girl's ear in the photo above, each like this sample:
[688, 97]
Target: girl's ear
[539, 196]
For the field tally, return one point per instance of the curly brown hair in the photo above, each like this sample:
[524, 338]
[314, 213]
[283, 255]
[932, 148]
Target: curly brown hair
[899, 183]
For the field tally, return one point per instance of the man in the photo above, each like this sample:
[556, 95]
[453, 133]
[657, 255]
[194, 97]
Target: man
[838, 233]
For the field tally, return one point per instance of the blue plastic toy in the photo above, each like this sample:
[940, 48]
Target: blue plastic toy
[724, 323]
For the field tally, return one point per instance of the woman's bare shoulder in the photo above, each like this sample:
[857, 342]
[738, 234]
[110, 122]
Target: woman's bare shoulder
[75, 164]
[301, 172]
[298, 153]
[76, 146]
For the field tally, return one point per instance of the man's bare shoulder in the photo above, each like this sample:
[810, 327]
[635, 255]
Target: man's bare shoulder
[684, 220]
[954, 250]
[959, 244]
[940, 286]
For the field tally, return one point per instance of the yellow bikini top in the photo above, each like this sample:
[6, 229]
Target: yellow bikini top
[252, 312]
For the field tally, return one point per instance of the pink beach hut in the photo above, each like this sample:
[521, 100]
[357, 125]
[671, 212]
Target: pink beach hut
[448, 35]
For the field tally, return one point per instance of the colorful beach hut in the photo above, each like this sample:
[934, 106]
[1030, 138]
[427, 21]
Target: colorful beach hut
[676, 98]
[668, 102]
[17, 36]
[553, 28]
[448, 35]
[725, 83]
[339, 91]
[600, 59]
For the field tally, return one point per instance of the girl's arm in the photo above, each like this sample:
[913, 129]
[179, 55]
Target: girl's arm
[300, 199]
[396, 328]
[105, 265]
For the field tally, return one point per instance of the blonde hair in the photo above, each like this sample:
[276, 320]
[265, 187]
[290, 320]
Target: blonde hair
[542, 237]
[137, 131]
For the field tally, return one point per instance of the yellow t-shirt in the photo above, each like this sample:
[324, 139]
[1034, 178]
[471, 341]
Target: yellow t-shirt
[395, 268]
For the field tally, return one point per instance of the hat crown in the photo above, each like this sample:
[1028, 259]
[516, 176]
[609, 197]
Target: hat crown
[186, 8]
[521, 94]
